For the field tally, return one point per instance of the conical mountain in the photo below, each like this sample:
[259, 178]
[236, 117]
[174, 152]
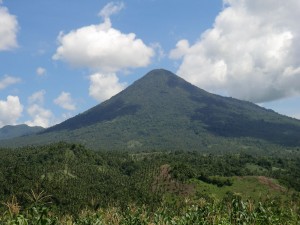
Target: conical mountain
[160, 95]
[161, 111]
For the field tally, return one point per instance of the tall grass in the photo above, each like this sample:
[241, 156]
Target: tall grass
[228, 211]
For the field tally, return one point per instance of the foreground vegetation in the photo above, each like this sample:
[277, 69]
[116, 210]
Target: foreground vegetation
[228, 211]
[68, 184]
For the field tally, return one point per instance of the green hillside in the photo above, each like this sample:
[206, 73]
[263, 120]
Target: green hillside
[162, 111]
[9, 131]
[68, 179]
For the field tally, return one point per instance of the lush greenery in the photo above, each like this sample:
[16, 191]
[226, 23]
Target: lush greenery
[63, 182]
[181, 156]
[163, 112]
[232, 210]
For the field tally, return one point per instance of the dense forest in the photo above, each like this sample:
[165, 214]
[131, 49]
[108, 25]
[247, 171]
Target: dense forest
[67, 182]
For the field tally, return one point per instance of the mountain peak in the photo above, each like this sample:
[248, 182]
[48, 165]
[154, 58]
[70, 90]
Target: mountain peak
[159, 81]
[160, 72]
[163, 111]
[157, 75]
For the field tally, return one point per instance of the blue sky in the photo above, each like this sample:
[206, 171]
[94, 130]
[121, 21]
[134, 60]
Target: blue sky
[58, 58]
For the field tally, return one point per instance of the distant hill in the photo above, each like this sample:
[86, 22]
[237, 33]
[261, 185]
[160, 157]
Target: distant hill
[9, 131]
[163, 111]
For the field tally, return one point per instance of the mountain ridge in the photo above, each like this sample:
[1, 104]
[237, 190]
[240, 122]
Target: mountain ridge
[164, 112]
[12, 131]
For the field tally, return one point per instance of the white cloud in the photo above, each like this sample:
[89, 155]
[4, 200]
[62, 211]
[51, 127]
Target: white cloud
[181, 49]
[7, 81]
[65, 116]
[39, 115]
[105, 51]
[104, 86]
[10, 110]
[37, 97]
[296, 116]
[159, 50]
[111, 8]
[8, 29]
[65, 101]
[103, 48]
[251, 52]
[40, 71]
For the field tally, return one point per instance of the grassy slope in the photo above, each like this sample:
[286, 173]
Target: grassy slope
[249, 187]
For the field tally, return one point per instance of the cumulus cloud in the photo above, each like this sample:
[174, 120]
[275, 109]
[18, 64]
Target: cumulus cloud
[104, 86]
[8, 80]
[65, 101]
[39, 115]
[111, 8]
[103, 48]
[10, 110]
[105, 51]
[8, 29]
[40, 71]
[251, 52]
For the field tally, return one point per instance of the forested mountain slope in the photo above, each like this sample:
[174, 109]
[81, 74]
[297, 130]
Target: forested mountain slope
[9, 131]
[163, 111]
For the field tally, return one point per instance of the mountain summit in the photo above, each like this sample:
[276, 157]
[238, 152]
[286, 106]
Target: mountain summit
[158, 94]
[164, 112]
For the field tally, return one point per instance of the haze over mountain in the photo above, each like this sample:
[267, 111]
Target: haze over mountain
[163, 111]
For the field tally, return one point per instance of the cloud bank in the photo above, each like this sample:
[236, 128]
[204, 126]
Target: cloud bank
[251, 52]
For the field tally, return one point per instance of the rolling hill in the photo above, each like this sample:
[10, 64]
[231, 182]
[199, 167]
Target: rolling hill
[162, 111]
[9, 131]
